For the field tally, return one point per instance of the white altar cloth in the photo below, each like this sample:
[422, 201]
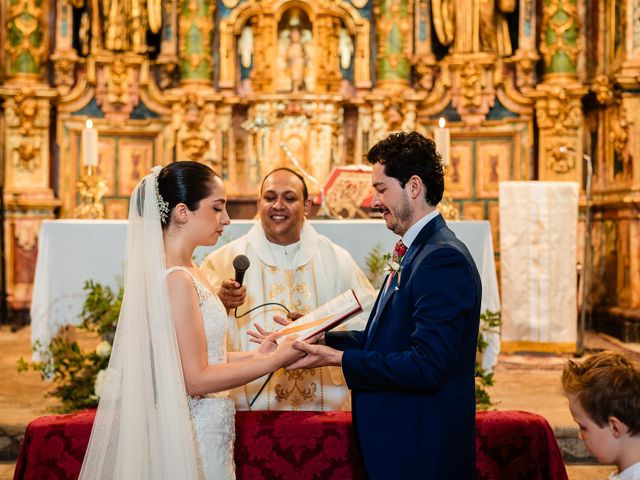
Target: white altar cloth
[71, 252]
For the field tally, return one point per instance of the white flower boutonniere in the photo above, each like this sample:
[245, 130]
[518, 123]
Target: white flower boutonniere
[393, 268]
[395, 261]
[392, 265]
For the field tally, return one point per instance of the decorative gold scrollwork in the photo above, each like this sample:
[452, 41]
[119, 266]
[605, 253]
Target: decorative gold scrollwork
[559, 16]
[559, 112]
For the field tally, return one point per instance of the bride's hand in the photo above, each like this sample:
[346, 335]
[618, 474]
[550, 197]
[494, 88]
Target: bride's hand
[285, 353]
[267, 340]
[261, 334]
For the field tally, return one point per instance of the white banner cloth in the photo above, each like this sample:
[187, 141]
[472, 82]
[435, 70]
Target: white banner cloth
[538, 228]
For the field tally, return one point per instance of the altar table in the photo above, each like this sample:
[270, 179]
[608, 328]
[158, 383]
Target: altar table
[71, 252]
[307, 445]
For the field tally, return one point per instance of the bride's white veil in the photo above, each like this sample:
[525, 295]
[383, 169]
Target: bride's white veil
[142, 428]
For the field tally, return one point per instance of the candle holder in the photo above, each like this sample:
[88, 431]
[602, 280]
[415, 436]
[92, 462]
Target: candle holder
[91, 188]
[448, 208]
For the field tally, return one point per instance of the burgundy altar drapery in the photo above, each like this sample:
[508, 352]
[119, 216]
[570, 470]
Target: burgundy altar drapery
[307, 445]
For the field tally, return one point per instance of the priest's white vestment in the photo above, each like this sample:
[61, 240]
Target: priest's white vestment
[302, 276]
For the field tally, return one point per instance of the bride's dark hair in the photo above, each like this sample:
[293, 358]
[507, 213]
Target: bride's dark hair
[186, 182]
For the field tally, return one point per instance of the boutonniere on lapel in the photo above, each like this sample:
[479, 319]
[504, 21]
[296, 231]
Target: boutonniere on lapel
[394, 262]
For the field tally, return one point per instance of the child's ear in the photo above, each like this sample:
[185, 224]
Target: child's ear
[618, 427]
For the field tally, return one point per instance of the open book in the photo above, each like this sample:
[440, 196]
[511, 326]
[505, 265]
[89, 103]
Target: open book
[325, 317]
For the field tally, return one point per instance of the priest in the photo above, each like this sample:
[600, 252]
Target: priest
[291, 265]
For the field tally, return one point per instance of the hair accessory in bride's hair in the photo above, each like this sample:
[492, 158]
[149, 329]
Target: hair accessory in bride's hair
[163, 207]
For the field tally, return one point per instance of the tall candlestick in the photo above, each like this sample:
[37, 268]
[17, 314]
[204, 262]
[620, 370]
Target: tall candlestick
[442, 137]
[89, 145]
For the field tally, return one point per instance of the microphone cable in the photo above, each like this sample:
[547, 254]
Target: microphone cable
[235, 314]
[235, 310]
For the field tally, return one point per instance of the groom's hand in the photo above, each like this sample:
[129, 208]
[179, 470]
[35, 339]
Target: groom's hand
[316, 356]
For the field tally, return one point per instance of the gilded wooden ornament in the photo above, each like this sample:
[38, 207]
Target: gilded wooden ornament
[394, 22]
[26, 36]
[196, 125]
[559, 160]
[526, 68]
[603, 89]
[195, 38]
[560, 43]
[559, 111]
[27, 112]
[64, 69]
[125, 23]
[473, 90]
[473, 26]
[619, 133]
[117, 90]
[28, 155]
[91, 189]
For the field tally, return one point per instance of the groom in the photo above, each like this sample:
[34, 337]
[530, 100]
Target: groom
[411, 371]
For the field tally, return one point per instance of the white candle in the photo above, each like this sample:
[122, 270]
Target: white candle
[442, 137]
[89, 145]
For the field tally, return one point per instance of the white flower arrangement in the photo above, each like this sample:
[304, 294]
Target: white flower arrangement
[103, 349]
[100, 383]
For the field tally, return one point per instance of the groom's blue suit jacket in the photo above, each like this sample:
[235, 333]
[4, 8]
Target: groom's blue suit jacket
[411, 371]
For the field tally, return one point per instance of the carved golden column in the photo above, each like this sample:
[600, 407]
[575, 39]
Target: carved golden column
[394, 25]
[168, 58]
[28, 198]
[526, 56]
[328, 76]
[26, 38]
[615, 287]
[264, 72]
[196, 35]
[559, 96]
[64, 58]
[423, 58]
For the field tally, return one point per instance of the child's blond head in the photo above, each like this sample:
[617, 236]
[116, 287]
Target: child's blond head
[606, 385]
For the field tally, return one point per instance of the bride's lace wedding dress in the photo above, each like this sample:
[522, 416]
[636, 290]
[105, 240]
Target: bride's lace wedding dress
[213, 415]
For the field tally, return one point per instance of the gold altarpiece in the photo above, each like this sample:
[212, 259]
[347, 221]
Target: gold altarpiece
[527, 89]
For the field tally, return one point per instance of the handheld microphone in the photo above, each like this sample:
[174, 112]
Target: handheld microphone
[240, 265]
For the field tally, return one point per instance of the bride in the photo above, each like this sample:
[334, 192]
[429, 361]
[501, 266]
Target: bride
[166, 411]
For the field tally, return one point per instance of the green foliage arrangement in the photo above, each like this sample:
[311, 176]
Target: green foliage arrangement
[376, 265]
[77, 374]
[489, 323]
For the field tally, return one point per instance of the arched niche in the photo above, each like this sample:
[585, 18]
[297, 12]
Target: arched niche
[264, 18]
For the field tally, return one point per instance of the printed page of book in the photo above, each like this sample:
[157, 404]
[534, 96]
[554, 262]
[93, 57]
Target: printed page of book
[325, 317]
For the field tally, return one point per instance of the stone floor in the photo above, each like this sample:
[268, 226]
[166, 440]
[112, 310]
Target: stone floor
[529, 382]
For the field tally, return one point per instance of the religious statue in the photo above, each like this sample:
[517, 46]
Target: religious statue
[83, 34]
[295, 56]
[126, 22]
[245, 52]
[345, 55]
[345, 49]
[482, 28]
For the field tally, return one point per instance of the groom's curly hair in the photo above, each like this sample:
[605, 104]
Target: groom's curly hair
[406, 154]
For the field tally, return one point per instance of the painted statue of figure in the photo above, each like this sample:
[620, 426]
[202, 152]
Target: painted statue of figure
[126, 22]
[345, 55]
[245, 52]
[295, 56]
[483, 28]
